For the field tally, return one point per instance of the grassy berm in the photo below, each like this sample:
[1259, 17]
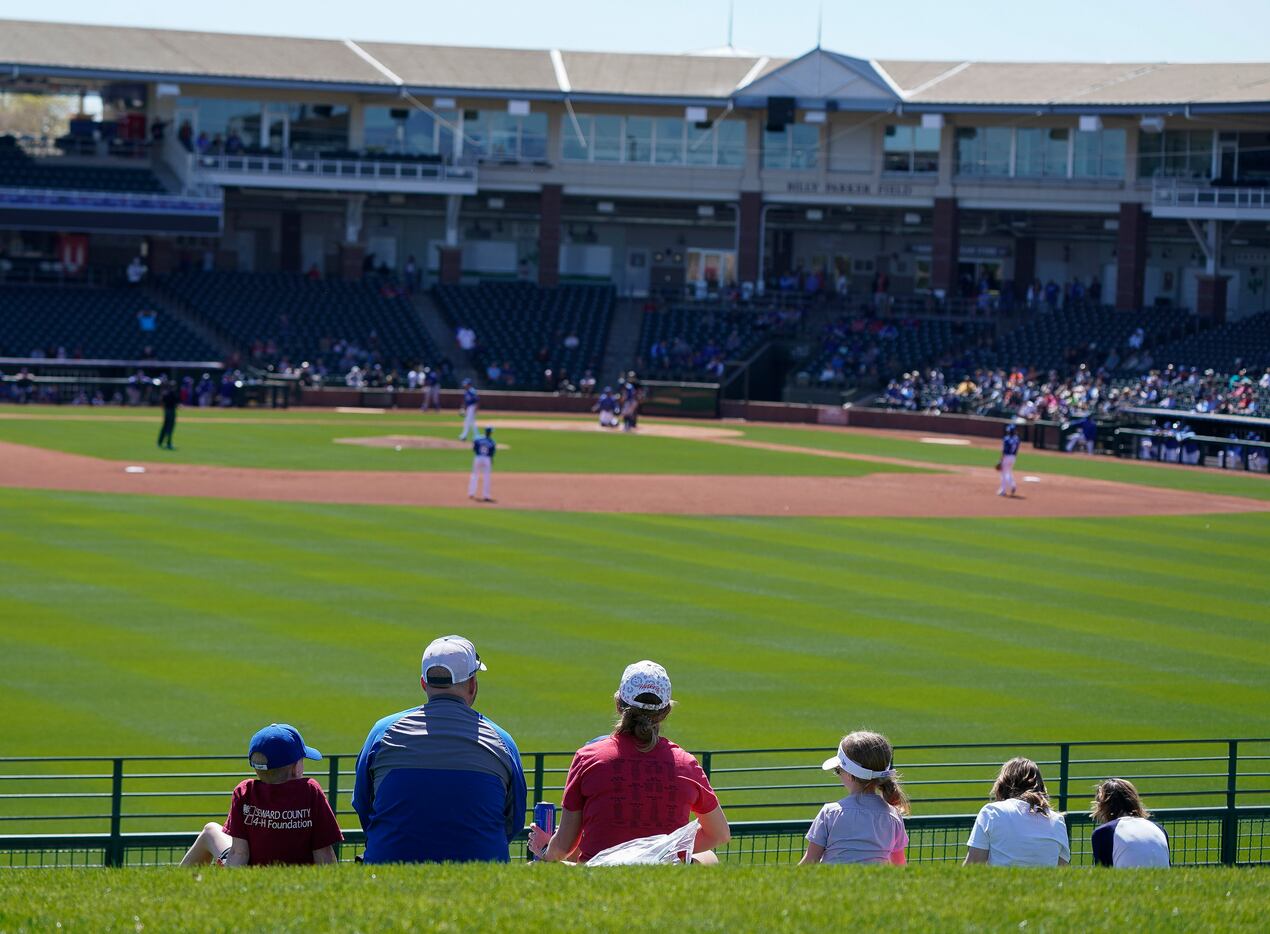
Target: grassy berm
[554, 898]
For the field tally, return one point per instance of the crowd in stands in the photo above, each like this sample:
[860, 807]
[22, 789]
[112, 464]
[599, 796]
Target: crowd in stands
[443, 783]
[1055, 395]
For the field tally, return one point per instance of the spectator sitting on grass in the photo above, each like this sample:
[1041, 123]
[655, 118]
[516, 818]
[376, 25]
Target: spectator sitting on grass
[867, 825]
[1018, 827]
[441, 782]
[1126, 837]
[601, 808]
[278, 817]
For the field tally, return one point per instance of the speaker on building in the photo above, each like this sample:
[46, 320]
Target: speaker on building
[780, 113]
[399, 113]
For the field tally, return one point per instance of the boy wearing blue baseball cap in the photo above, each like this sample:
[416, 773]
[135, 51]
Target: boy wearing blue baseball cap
[277, 817]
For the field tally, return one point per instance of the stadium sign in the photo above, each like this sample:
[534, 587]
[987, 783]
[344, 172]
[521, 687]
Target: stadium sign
[866, 189]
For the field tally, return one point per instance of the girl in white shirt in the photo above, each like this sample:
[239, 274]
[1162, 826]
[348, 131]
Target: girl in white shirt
[1018, 827]
[867, 825]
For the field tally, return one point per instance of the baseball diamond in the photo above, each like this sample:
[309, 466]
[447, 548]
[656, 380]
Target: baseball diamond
[432, 462]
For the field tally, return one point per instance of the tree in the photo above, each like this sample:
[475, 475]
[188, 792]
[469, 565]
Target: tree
[36, 114]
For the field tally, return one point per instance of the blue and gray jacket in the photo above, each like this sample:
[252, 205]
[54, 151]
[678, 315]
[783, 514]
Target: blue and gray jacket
[439, 783]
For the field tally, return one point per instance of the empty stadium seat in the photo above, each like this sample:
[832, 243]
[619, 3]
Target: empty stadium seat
[18, 170]
[525, 325]
[91, 323]
[695, 333]
[1227, 348]
[307, 319]
[1079, 333]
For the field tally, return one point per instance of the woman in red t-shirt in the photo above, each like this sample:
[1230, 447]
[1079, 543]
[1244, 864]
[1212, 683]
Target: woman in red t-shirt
[633, 783]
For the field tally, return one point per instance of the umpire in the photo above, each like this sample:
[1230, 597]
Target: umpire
[171, 399]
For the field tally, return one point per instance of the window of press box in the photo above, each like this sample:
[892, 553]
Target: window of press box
[1175, 154]
[407, 131]
[314, 127]
[220, 118]
[1098, 154]
[1040, 152]
[797, 146]
[502, 137]
[984, 151]
[912, 149]
[652, 140]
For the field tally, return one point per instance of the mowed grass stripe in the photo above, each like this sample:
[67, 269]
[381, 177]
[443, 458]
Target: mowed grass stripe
[779, 632]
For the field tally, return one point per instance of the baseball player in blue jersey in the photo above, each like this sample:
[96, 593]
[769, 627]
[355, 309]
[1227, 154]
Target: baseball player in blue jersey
[471, 402]
[1009, 450]
[483, 450]
[607, 407]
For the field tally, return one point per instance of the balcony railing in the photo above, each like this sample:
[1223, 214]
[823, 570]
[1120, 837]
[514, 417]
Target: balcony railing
[316, 170]
[1171, 197]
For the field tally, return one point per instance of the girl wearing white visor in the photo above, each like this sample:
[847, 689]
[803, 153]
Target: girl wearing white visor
[867, 826]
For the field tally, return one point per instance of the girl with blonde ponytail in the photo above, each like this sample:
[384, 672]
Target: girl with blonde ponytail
[867, 826]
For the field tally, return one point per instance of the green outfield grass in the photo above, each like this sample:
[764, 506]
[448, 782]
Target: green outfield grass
[779, 632]
[307, 441]
[138, 625]
[557, 898]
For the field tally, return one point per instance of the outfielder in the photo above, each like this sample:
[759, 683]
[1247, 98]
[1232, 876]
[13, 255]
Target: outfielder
[1009, 450]
[483, 450]
[471, 402]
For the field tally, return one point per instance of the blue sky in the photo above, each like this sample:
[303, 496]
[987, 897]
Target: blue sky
[1027, 30]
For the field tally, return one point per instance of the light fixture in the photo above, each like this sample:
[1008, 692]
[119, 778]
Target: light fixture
[518, 108]
[932, 121]
[815, 214]
[912, 218]
[443, 103]
[1152, 124]
[814, 116]
[696, 114]
[604, 207]
[705, 210]
[496, 204]
[1090, 124]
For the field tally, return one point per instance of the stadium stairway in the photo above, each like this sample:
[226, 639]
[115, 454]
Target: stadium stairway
[434, 325]
[623, 344]
[209, 333]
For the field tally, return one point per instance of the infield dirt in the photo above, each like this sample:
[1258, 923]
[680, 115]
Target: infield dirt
[955, 492]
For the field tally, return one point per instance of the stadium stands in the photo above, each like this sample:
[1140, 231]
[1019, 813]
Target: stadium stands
[19, 170]
[523, 329]
[90, 323]
[278, 317]
[1230, 347]
[862, 348]
[1081, 333]
[694, 341]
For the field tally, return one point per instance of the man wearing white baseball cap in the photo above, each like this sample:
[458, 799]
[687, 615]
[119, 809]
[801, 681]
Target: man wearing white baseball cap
[440, 782]
[633, 783]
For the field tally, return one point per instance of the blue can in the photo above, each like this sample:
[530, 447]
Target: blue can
[545, 817]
